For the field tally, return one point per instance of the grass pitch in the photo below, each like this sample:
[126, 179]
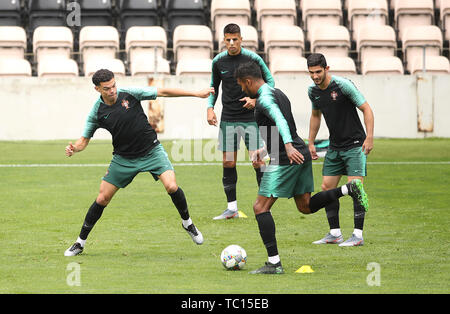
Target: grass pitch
[138, 246]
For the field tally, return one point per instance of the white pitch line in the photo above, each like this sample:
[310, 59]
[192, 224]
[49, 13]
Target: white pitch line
[184, 164]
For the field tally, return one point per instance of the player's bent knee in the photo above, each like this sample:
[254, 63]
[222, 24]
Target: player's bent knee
[257, 208]
[171, 187]
[304, 210]
[103, 199]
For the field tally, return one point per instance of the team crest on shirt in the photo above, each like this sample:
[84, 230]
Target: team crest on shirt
[334, 95]
[125, 104]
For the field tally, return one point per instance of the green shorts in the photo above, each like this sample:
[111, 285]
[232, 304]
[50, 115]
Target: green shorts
[230, 135]
[351, 162]
[287, 180]
[122, 170]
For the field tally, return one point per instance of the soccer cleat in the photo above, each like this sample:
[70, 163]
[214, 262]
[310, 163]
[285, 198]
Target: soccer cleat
[356, 191]
[75, 249]
[330, 239]
[353, 241]
[227, 214]
[269, 268]
[195, 234]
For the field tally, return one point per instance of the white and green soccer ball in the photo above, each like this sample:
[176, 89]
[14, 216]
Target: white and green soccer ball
[233, 257]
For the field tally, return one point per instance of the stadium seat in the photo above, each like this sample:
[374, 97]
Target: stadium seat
[10, 14]
[145, 67]
[412, 13]
[184, 12]
[224, 12]
[376, 41]
[145, 40]
[249, 36]
[114, 65]
[284, 41]
[363, 12]
[319, 13]
[415, 38]
[194, 67]
[13, 42]
[192, 41]
[52, 41]
[46, 13]
[138, 13]
[331, 40]
[269, 13]
[341, 65]
[96, 13]
[445, 18]
[288, 65]
[382, 66]
[57, 67]
[98, 41]
[433, 64]
[143, 44]
[15, 67]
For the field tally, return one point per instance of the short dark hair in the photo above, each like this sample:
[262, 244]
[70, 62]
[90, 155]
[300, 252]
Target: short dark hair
[316, 59]
[102, 75]
[248, 69]
[232, 29]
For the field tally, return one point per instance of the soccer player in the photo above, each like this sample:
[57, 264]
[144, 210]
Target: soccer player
[337, 98]
[237, 119]
[289, 173]
[136, 148]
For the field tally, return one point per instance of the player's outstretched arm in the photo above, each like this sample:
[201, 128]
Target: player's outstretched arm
[177, 92]
[79, 145]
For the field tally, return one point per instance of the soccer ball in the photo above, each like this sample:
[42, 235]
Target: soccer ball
[233, 257]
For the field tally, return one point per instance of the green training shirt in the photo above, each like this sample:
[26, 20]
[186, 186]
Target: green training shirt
[338, 104]
[132, 134]
[274, 118]
[223, 68]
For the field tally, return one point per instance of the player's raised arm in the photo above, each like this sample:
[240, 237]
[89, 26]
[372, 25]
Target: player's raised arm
[177, 92]
[79, 145]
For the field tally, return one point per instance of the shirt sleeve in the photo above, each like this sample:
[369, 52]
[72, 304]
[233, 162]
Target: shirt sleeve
[311, 98]
[273, 111]
[215, 82]
[267, 76]
[142, 93]
[91, 122]
[349, 89]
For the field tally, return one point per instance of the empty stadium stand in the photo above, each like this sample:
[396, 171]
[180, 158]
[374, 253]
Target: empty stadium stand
[46, 13]
[13, 42]
[290, 66]
[184, 12]
[137, 13]
[96, 12]
[144, 37]
[10, 13]
[284, 41]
